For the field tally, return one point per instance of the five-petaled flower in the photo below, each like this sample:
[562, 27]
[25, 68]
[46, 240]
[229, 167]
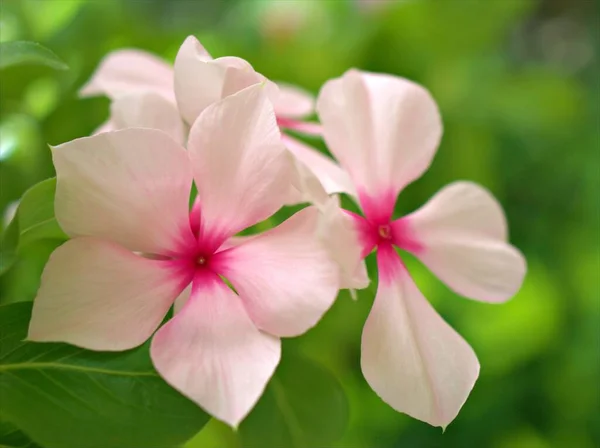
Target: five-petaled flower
[136, 249]
[384, 131]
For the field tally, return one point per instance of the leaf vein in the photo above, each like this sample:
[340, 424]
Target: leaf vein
[41, 392]
[54, 365]
[67, 391]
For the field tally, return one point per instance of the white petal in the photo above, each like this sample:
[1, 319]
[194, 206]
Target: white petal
[306, 188]
[147, 110]
[284, 276]
[130, 186]
[462, 207]
[333, 178]
[97, 295]
[487, 270]
[129, 71]
[240, 166]
[105, 127]
[413, 359]
[201, 81]
[339, 235]
[293, 102]
[212, 353]
[182, 299]
[335, 228]
[461, 236]
[384, 130]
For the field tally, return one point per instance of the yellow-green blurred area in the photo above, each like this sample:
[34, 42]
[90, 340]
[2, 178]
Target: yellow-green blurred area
[518, 85]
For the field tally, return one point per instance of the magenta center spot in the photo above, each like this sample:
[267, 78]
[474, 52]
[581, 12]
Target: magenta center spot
[385, 232]
[202, 260]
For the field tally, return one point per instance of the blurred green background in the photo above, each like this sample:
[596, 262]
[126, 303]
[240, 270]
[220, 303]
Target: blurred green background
[518, 85]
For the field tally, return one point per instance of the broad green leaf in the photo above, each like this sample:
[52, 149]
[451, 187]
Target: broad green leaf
[12, 437]
[22, 52]
[8, 248]
[303, 406]
[67, 397]
[34, 220]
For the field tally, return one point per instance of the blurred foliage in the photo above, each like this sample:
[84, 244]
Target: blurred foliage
[19, 52]
[518, 85]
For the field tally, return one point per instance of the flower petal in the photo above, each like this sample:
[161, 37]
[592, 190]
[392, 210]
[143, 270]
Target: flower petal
[303, 127]
[384, 130]
[460, 235]
[212, 353]
[130, 186]
[335, 228]
[333, 178]
[201, 81]
[306, 188]
[284, 276]
[105, 127]
[293, 102]
[413, 359]
[182, 299]
[337, 231]
[128, 71]
[359, 280]
[147, 110]
[462, 207]
[241, 168]
[98, 295]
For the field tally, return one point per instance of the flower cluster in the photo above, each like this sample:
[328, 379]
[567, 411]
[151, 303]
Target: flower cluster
[142, 243]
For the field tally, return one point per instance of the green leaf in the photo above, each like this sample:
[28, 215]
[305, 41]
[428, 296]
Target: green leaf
[12, 437]
[9, 246]
[67, 397]
[34, 220]
[304, 405]
[21, 52]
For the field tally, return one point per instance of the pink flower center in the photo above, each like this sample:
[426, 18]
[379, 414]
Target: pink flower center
[378, 229]
[385, 232]
[201, 257]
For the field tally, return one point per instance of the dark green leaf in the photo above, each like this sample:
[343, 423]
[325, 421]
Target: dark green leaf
[12, 437]
[303, 406]
[8, 248]
[34, 220]
[16, 53]
[66, 397]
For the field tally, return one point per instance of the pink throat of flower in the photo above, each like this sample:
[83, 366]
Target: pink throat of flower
[385, 232]
[198, 254]
[377, 229]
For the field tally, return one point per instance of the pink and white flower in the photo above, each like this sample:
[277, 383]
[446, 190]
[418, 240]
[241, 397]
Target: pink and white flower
[385, 131]
[123, 197]
[147, 92]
